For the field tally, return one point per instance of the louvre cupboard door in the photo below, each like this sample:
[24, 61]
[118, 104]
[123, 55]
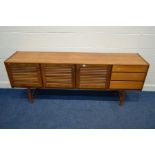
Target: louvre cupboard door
[58, 75]
[93, 76]
[24, 75]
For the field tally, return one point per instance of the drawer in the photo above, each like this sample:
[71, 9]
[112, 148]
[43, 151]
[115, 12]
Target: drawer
[128, 76]
[93, 76]
[24, 75]
[126, 84]
[58, 75]
[129, 68]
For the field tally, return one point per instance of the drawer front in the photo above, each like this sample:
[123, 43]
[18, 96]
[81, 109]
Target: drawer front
[128, 68]
[128, 76]
[24, 75]
[93, 76]
[58, 76]
[126, 84]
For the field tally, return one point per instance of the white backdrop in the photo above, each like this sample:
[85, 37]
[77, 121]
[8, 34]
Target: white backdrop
[83, 39]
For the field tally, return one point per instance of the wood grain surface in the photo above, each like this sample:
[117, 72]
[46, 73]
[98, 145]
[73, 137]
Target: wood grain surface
[77, 58]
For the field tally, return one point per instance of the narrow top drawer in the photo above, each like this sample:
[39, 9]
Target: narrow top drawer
[130, 68]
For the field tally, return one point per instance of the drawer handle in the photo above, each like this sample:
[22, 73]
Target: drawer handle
[83, 65]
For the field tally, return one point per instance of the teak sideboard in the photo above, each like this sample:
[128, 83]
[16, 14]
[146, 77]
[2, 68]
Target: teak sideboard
[73, 70]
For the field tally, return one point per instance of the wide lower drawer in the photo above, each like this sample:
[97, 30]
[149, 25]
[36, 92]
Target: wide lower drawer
[129, 68]
[128, 76]
[126, 84]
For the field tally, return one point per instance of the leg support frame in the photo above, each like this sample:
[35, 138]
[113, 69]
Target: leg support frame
[30, 95]
[121, 96]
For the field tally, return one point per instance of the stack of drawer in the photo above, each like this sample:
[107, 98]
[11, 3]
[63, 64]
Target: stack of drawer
[128, 76]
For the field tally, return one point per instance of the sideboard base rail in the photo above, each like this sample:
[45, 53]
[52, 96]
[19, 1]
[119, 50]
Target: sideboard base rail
[31, 93]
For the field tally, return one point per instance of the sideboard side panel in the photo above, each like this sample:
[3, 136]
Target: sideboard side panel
[9, 74]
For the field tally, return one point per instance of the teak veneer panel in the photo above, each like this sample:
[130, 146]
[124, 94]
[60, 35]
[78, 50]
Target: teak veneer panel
[77, 58]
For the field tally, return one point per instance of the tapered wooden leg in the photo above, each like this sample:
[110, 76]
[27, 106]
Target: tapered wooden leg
[121, 97]
[30, 96]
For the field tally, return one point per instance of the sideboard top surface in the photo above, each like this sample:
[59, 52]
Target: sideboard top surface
[77, 58]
